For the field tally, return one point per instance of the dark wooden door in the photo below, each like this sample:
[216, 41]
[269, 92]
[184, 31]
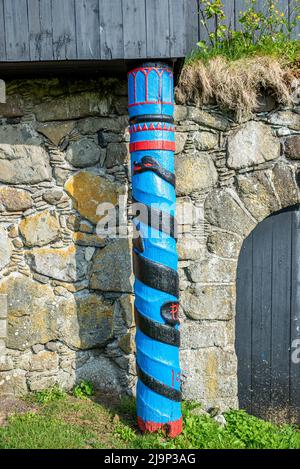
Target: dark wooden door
[268, 318]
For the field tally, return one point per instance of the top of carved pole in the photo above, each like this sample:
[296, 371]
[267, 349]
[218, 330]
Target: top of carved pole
[150, 91]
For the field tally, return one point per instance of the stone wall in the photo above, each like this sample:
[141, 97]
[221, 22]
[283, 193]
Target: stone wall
[67, 298]
[66, 294]
[235, 175]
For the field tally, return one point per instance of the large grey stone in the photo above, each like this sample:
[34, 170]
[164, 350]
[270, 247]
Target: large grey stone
[116, 154]
[286, 119]
[2, 91]
[207, 119]
[65, 264]
[56, 131]
[85, 152]
[89, 191]
[66, 379]
[111, 268]
[5, 249]
[223, 210]
[180, 113]
[252, 144]
[189, 213]
[180, 139]
[257, 194]
[44, 361]
[209, 376]
[24, 164]
[127, 308]
[85, 321]
[292, 147]
[53, 196]
[40, 228]
[15, 200]
[102, 372]
[204, 141]
[80, 321]
[206, 334]
[209, 302]
[213, 269]
[29, 322]
[73, 106]
[40, 381]
[13, 383]
[190, 248]
[19, 134]
[194, 173]
[224, 244]
[285, 185]
[91, 125]
[13, 107]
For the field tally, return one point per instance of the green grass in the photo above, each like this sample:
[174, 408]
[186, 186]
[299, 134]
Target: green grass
[69, 422]
[242, 432]
[237, 48]
[49, 395]
[33, 431]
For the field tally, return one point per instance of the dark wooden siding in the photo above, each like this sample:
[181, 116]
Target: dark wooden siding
[105, 30]
[40, 30]
[268, 318]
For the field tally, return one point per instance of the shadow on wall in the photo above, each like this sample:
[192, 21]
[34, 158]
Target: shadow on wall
[69, 314]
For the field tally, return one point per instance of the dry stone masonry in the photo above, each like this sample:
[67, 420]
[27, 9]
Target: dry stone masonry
[66, 302]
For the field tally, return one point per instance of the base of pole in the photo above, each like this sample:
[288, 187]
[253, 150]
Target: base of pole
[171, 429]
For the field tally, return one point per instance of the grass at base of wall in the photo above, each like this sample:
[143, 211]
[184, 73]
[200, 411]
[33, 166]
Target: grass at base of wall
[62, 421]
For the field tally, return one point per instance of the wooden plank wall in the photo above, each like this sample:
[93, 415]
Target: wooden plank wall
[42, 30]
[39, 30]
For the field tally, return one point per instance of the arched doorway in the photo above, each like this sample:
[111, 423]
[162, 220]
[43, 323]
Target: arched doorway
[268, 318]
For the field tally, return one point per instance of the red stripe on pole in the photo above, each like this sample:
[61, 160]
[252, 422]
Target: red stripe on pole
[172, 429]
[152, 145]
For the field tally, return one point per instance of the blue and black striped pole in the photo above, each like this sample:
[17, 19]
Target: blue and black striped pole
[152, 146]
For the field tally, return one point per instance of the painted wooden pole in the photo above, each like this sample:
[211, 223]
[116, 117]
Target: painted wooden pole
[152, 146]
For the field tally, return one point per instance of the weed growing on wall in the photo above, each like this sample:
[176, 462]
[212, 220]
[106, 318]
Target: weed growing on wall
[50, 395]
[266, 29]
[83, 390]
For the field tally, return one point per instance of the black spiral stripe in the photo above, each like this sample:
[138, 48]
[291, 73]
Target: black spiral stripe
[160, 332]
[155, 275]
[151, 118]
[157, 219]
[158, 386]
[150, 164]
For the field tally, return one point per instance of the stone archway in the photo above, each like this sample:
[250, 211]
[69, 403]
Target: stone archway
[248, 190]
